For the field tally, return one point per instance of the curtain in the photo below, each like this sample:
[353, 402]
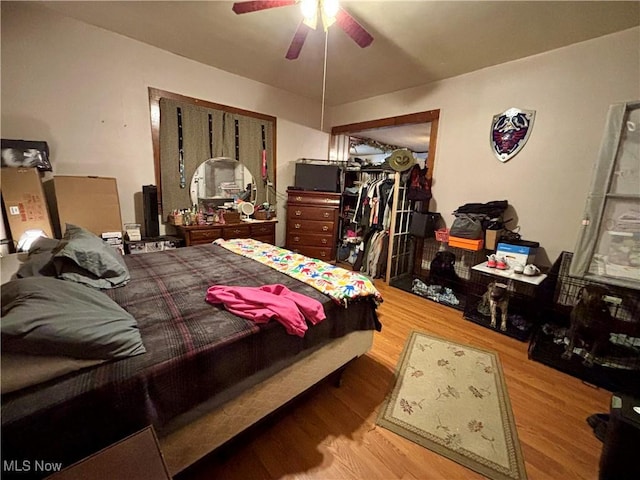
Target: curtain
[233, 135]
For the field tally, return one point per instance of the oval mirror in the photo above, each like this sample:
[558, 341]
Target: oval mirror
[221, 180]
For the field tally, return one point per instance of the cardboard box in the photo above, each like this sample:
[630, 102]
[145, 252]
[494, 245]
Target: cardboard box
[88, 202]
[466, 243]
[491, 238]
[516, 254]
[24, 201]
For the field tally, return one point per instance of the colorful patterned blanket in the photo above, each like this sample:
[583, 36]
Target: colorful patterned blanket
[339, 284]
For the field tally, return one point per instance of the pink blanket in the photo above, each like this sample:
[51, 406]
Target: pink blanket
[261, 304]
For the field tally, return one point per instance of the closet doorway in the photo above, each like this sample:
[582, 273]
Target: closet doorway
[418, 133]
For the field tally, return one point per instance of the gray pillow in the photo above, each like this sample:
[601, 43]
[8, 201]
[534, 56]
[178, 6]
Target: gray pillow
[39, 260]
[85, 258]
[48, 316]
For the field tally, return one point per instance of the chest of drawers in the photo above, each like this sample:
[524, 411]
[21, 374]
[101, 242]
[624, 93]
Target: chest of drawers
[265, 231]
[312, 220]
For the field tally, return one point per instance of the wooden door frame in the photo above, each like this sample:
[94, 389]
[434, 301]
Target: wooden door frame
[430, 116]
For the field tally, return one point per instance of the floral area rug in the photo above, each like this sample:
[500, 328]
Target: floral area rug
[452, 399]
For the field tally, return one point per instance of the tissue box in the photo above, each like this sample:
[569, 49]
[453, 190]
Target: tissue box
[516, 254]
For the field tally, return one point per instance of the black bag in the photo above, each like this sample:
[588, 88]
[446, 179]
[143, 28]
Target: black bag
[493, 209]
[467, 226]
[419, 184]
[423, 225]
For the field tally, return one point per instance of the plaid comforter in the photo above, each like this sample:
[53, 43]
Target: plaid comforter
[194, 351]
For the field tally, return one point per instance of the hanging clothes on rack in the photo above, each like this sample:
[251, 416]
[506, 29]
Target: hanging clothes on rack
[373, 216]
[373, 197]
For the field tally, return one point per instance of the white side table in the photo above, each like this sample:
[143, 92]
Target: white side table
[523, 307]
[510, 274]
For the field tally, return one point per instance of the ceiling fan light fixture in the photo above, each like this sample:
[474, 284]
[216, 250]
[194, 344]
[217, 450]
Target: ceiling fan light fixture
[327, 21]
[330, 9]
[309, 9]
[312, 22]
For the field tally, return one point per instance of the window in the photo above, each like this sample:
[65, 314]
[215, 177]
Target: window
[608, 249]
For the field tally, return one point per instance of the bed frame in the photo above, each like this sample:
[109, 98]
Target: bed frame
[188, 443]
[194, 434]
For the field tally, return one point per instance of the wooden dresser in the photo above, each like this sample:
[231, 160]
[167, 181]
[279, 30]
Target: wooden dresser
[312, 223]
[263, 230]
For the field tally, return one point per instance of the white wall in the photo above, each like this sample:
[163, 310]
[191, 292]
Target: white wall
[547, 182]
[84, 90]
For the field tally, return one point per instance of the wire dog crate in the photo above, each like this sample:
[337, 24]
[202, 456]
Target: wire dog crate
[452, 292]
[617, 366]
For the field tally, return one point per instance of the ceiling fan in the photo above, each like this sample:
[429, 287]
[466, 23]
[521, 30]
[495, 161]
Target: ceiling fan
[328, 10]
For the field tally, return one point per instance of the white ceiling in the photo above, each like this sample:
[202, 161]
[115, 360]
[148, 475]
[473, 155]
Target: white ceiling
[415, 42]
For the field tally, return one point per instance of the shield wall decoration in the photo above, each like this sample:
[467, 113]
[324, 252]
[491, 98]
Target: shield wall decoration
[510, 131]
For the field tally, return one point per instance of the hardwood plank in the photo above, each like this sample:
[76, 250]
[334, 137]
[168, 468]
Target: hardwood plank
[331, 433]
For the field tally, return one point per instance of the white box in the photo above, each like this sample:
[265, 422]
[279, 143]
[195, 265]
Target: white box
[516, 254]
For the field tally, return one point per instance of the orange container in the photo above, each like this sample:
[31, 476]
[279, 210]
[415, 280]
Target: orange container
[466, 243]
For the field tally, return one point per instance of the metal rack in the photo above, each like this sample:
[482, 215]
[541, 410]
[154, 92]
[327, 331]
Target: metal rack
[400, 259]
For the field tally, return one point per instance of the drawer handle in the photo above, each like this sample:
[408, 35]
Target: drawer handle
[236, 231]
[327, 200]
[326, 214]
[298, 213]
[298, 199]
[262, 230]
[297, 225]
[323, 254]
[296, 239]
[325, 228]
[324, 241]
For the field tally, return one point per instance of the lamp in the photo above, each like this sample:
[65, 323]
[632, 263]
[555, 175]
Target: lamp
[309, 10]
[27, 239]
[328, 11]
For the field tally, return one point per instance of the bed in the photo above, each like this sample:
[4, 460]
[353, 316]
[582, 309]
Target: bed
[206, 374]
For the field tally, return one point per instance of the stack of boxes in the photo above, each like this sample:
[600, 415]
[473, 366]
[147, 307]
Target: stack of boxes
[115, 240]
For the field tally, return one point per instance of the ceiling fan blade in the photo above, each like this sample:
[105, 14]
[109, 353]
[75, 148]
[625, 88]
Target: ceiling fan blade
[298, 41]
[352, 28]
[257, 5]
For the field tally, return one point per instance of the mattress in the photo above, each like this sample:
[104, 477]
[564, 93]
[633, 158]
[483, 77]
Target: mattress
[195, 351]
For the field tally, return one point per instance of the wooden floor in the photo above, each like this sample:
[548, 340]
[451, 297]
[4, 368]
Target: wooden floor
[331, 433]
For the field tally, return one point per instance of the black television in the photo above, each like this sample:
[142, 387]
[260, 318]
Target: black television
[317, 177]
